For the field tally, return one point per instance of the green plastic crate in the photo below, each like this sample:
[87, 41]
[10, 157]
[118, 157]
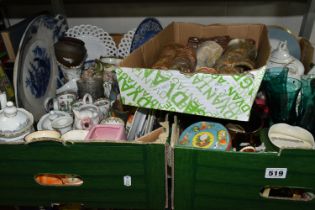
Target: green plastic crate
[101, 165]
[217, 180]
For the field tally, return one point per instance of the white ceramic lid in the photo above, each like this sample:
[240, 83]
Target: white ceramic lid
[45, 121]
[14, 121]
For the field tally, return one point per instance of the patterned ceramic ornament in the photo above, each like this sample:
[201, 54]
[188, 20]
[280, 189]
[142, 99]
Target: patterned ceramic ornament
[206, 135]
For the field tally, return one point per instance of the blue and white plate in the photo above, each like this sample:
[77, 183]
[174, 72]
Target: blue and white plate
[276, 34]
[35, 70]
[148, 28]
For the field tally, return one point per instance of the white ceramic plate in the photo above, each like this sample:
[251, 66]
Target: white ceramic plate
[124, 45]
[97, 41]
[35, 70]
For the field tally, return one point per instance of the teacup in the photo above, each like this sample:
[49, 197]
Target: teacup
[62, 102]
[104, 106]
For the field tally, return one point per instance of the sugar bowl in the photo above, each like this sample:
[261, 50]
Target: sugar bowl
[15, 123]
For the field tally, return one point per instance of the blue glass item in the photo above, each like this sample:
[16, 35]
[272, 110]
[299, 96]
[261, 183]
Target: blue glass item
[148, 28]
[307, 105]
[36, 73]
[281, 99]
[206, 135]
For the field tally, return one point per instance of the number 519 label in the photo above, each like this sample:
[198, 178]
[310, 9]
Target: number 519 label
[276, 173]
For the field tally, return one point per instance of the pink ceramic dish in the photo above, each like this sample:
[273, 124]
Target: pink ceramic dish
[107, 133]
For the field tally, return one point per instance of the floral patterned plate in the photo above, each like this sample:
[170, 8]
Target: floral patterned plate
[36, 70]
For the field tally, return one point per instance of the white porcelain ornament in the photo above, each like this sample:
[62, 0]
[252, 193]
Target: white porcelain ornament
[280, 57]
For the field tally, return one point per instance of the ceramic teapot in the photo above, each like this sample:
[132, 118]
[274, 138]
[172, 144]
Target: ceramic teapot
[86, 115]
[280, 57]
[15, 123]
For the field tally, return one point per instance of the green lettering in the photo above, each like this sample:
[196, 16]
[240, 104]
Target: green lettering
[136, 92]
[154, 103]
[144, 102]
[245, 108]
[221, 80]
[159, 78]
[246, 82]
[127, 84]
[194, 107]
[196, 79]
[169, 92]
[209, 93]
[237, 77]
[179, 99]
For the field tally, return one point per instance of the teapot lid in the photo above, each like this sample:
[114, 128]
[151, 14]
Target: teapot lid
[281, 53]
[14, 121]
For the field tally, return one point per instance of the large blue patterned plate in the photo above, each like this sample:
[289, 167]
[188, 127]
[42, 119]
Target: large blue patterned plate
[35, 70]
[148, 28]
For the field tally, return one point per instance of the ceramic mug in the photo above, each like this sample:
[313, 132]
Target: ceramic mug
[104, 106]
[62, 102]
[72, 72]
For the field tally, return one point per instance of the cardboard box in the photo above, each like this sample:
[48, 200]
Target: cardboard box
[102, 166]
[209, 179]
[220, 96]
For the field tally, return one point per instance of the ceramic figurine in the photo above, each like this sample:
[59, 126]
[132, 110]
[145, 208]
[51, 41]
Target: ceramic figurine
[280, 57]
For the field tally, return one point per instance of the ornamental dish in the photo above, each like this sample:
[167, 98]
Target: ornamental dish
[35, 69]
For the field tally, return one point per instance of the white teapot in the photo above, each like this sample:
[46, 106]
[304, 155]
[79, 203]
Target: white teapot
[280, 57]
[86, 115]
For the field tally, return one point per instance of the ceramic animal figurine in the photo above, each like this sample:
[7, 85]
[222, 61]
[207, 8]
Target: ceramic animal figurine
[280, 57]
